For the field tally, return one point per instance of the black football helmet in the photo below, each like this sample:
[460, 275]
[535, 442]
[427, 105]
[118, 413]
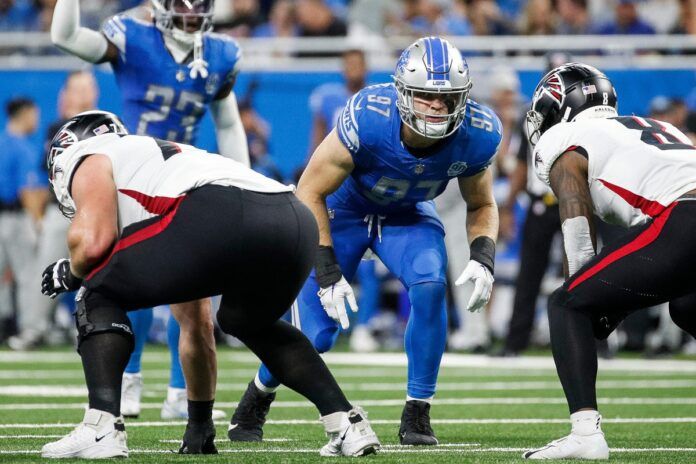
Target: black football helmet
[80, 127]
[565, 92]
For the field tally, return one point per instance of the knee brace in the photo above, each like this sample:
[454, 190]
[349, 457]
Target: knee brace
[604, 321]
[97, 314]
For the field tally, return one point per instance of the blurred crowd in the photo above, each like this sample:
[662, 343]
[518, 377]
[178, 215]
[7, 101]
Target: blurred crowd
[312, 18]
[32, 231]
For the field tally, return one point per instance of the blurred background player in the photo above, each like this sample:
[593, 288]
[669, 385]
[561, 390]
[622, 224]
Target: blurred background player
[395, 148]
[78, 94]
[169, 69]
[23, 191]
[327, 102]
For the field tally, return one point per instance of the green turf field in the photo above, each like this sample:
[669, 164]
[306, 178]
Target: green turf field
[487, 409]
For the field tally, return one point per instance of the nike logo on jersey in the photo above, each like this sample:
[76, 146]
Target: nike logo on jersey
[358, 104]
[98, 439]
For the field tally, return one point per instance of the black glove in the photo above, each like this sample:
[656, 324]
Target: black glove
[199, 438]
[57, 279]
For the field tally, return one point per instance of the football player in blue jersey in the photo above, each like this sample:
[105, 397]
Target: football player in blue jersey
[370, 184]
[169, 70]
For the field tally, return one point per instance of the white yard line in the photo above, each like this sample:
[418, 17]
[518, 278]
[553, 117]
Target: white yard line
[385, 403]
[523, 363]
[71, 391]
[386, 450]
[632, 420]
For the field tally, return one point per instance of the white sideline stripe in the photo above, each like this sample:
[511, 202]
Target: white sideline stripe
[225, 440]
[624, 420]
[67, 391]
[12, 437]
[391, 359]
[386, 402]
[386, 450]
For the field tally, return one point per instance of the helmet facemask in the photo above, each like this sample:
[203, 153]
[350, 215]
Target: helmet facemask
[454, 100]
[183, 19]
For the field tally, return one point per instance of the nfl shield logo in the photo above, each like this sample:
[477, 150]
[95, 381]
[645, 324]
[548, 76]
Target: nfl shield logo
[456, 168]
[419, 168]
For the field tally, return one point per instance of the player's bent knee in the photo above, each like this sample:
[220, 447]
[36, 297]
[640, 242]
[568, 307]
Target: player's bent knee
[325, 339]
[97, 314]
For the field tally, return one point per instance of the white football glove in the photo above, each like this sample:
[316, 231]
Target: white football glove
[333, 300]
[482, 279]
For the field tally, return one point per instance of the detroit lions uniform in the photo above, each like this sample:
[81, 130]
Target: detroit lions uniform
[385, 205]
[160, 98]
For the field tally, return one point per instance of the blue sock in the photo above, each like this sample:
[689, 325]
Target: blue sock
[426, 334]
[267, 378]
[369, 291]
[176, 375]
[141, 322]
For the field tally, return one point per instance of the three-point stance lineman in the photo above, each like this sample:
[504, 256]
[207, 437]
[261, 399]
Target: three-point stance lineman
[369, 185]
[156, 222]
[636, 172]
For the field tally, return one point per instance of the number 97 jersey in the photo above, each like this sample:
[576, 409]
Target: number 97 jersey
[390, 177]
[636, 166]
[160, 99]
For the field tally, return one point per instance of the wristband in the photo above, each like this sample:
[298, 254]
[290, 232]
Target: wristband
[482, 250]
[327, 269]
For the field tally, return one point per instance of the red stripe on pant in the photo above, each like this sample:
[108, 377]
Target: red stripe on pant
[641, 241]
[137, 237]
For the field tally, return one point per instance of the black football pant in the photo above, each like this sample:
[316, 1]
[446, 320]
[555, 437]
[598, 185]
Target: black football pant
[652, 264]
[254, 249]
[537, 236]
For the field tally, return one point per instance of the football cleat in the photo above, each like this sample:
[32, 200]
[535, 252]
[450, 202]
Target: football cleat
[247, 421]
[177, 407]
[99, 435]
[131, 392]
[355, 437]
[573, 447]
[199, 439]
[415, 425]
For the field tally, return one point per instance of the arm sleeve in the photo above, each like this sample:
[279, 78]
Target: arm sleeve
[231, 138]
[67, 34]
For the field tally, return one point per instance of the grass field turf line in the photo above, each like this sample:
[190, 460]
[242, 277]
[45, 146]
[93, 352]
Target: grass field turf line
[487, 410]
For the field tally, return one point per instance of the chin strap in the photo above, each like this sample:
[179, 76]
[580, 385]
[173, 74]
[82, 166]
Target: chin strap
[198, 66]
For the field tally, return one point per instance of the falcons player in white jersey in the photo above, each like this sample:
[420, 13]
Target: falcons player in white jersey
[636, 172]
[156, 222]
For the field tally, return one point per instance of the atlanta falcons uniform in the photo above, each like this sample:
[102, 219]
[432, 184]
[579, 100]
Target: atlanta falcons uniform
[640, 174]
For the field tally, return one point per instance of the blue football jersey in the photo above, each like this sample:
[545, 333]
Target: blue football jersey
[389, 177]
[327, 102]
[160, 99]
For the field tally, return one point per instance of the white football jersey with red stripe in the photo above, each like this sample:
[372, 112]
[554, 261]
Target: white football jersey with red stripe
[636, 166]
[153, 175]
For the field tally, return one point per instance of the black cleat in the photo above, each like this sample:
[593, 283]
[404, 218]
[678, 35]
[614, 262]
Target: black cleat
[199, 439]
[247, 421]
[415, 425]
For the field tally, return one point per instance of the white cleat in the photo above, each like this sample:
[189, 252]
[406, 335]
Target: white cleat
[573, 447]
[175, 406]
[362, 340]
[131, 392]
[355, 438]
[99, 435]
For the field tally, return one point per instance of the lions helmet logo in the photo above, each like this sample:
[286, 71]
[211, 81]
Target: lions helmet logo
[64, 139]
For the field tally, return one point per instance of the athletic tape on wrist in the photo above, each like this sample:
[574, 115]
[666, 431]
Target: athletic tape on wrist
[327, 269]
[482, 249]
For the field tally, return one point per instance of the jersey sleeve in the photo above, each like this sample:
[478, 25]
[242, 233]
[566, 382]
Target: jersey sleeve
[348, 126]
[552, 144]
[232, 55]
[487, 132]
[115, 29]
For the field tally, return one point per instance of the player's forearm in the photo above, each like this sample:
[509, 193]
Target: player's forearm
[482, 221]
[68, 35]
[88, 248]
[231, 138]
[317, 205]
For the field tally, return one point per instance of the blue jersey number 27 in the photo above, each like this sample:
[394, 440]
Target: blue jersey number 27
[188, 103]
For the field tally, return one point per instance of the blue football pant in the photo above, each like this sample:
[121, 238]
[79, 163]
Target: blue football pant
[412, 248]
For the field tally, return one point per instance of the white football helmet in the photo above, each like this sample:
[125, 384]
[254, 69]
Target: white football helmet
[432, 65]
[183, 19]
